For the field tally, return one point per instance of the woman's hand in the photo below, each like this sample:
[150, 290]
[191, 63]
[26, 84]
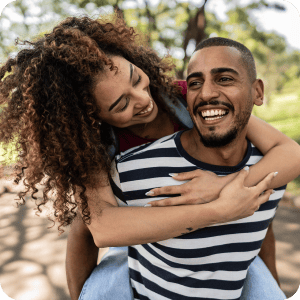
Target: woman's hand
[203, 187]
[237, 201]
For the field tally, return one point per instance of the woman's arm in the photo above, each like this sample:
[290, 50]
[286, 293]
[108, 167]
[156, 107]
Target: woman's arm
[123, 226]
[282, 154]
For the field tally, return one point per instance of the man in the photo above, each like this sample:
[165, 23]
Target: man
[210, 263]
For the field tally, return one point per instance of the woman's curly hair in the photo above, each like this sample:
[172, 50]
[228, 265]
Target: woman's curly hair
[50, 114]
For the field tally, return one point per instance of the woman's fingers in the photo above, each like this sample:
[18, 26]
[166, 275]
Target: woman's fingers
[190, 193]
[265, 183]
[241, 177]
[180, 200]
[168, 201]
[189, 175]
[207, 185]
[238, 201]
[166, 190]
[264, 197]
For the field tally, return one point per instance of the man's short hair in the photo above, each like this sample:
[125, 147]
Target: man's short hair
[246, 55]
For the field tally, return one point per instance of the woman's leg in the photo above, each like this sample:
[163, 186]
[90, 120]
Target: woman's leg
[110, 279]
[260, 284]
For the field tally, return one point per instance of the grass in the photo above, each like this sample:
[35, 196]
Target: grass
[283, 112]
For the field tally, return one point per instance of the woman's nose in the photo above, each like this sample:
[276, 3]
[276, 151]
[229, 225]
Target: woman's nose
[141, 98]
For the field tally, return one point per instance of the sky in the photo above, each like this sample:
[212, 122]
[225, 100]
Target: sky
[285, 23]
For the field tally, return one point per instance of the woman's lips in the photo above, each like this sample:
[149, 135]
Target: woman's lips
[147, 110]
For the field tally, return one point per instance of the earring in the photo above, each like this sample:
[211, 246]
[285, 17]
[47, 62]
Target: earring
[99, 123]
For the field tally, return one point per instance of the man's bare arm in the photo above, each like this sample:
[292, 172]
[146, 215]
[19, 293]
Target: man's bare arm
[81, 258]
[267, 252]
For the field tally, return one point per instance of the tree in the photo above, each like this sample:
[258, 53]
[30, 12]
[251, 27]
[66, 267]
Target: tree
[269, 49]
[171, 26]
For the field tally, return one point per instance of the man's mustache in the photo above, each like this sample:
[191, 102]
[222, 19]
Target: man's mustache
[214, 102]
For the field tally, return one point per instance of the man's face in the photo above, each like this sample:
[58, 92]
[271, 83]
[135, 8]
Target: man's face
[220, 95]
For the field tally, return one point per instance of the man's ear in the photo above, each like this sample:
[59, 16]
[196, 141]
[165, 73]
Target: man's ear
[258, 87]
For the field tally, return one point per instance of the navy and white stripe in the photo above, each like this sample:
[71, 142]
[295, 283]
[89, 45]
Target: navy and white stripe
[210, 263]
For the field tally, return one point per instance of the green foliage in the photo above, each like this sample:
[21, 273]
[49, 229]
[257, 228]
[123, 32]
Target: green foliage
[165, 25]
[275, 64]
[283, 113]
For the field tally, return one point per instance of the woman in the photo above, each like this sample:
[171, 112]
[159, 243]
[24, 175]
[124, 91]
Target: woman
[53, 106]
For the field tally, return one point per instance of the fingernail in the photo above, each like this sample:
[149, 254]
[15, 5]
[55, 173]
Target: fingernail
[173, 174]
[275, 174]
[147, 205]
[150, 193]
[246, 168]
[272, 192]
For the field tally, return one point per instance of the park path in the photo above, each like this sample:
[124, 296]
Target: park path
[32, 257]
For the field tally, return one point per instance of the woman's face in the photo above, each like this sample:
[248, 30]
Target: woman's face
[124, 96]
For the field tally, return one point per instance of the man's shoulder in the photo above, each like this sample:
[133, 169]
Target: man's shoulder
[153, 149]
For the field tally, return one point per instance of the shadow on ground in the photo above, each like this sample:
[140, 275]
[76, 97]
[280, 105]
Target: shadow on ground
[32, 257]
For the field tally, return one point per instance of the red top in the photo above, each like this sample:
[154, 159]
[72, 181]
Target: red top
[183, 85]
[128, 139]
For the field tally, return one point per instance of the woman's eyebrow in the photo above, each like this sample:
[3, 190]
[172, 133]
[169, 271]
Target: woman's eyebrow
[120, 98]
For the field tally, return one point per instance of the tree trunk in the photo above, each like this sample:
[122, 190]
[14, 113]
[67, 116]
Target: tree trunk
[195, 31]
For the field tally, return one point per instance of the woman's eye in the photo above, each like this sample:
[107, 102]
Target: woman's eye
[125, 106]
[138, 81]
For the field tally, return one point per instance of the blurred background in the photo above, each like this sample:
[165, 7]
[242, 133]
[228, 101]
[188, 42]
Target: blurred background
[31, 256]
[269, 28]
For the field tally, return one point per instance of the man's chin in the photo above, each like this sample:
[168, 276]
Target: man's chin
[217, 141]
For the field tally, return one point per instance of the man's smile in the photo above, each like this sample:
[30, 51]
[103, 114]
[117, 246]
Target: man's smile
[213, 114]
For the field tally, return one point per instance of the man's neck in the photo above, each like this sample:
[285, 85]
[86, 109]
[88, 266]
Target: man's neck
[229, 155]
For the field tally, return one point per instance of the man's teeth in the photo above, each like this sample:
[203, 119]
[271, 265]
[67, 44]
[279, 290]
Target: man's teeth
[214, 113]
[150, 107]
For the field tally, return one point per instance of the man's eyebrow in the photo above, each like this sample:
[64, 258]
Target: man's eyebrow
[222, 70]
[120, 98]
[213, 72]
[195, 74]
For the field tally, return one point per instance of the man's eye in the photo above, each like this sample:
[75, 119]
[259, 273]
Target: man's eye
[194, 84]
[224, 79]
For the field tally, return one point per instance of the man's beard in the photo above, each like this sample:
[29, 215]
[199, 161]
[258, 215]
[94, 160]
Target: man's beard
[214, 140]
[217, 141]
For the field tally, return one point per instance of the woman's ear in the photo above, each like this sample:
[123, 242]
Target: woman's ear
[258, 87]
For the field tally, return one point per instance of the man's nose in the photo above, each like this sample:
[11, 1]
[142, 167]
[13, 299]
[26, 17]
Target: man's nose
[209, 91]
